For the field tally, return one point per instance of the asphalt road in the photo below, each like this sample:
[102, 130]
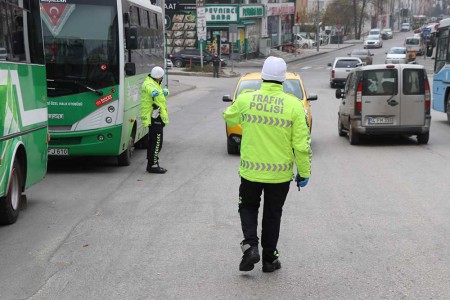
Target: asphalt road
[371, 224]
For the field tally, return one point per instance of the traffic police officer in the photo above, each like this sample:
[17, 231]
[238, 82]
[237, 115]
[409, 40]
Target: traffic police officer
[275, 134]
[154, 114]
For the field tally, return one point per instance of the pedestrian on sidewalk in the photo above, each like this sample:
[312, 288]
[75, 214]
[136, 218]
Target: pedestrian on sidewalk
[268, 154]
[154, 114]
[216, 65]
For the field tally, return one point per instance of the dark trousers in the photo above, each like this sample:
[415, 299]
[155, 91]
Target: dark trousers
[216, 71]
[155, 138]
[249, 200]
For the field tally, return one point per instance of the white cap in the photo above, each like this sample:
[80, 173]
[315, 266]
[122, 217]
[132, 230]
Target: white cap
[157, 72]
[274, 68]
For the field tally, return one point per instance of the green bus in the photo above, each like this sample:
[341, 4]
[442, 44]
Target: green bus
[23, 104]
[98, 53]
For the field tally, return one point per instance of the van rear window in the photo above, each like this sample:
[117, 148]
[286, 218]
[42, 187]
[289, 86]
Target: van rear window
[412, 41]
[380, 82]
[346, 63]
[413, 82]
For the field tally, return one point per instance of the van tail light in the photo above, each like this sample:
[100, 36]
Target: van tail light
[427, 97]
[332, 74]
[359, 97]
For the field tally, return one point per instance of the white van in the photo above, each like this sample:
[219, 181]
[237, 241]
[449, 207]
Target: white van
[415, 43]
[385, 99]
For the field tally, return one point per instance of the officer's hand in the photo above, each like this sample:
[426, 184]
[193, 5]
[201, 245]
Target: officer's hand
[301, 182]
[165, 92]
[154, 94]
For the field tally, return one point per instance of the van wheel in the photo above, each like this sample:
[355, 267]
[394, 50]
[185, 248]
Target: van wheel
[10, 204]
[423, 138]
[340, 131]
[353, 137]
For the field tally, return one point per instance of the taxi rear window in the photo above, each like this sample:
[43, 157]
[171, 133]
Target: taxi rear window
[291, 86]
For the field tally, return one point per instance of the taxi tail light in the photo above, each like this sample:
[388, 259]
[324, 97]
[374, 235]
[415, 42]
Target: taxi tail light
[359, 97]
[427, 96]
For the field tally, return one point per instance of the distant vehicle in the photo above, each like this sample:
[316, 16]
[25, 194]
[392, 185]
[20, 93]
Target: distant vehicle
[385, 99]
[387, 33]
[405, 27]
[373, 41]
[396, 55]
[303, 42]
[252, 81]
[186, 56]
[340, 69]
[415, 43]
[364, 54]
[3, 54]
[169, 64]
[375, 31]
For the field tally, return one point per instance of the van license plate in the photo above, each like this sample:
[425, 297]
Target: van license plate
[58, 151]
[381, 120]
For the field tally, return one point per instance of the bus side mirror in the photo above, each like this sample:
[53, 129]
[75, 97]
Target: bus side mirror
[131, 37]
[130, 69]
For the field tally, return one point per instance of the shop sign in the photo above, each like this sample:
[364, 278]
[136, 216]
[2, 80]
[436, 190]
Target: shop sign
[251, 11]
[221, 13]
[279, 9]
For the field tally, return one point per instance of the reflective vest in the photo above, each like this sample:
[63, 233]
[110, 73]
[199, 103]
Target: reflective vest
[275, 134]
[147, 101]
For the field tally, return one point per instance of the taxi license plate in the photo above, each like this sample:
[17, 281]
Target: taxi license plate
[380, 120]
[58, 151]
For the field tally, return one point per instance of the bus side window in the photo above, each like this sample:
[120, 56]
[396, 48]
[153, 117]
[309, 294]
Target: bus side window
[18, 46]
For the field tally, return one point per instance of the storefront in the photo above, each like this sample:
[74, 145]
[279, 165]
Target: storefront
[280, 20]
[248, 20]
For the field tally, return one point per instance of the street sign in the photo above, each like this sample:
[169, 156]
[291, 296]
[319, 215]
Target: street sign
[201, 24]
[426, 31]
[233, 33]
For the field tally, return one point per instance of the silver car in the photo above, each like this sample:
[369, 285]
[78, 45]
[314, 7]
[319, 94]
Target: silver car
[396, 55]
[385, 99]
[340, 69]
[373, 41]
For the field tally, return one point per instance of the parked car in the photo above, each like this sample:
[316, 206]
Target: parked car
[385, 99]
[340, 69]
[303, 42]
[252, 81]
[387, 33]
[3, 54]
[405, 27]
[365, 55]
[396, 55]
[184, 57]
[375, 31]
[373, 41]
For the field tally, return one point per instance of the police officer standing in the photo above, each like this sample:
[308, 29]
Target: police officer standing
[154, 114]
[275, 135]
[216, 65]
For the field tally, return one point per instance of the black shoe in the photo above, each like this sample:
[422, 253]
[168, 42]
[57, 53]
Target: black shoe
[156, 169]
[271, 266]
[249, 259]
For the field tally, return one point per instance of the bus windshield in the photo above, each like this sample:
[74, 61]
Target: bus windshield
[81, 45]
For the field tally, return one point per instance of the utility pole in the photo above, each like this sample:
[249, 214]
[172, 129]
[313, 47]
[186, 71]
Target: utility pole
[317, 27]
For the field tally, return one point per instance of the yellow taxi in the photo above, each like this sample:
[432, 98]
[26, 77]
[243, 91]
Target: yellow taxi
[252, 81]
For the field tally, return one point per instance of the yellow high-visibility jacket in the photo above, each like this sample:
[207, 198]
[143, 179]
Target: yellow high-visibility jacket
[147, 101]
[275, 134]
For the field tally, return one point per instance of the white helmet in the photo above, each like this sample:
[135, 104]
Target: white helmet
[157, 72]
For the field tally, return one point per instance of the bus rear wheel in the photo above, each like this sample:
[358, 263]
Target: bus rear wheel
[124, 159]
[10, 204]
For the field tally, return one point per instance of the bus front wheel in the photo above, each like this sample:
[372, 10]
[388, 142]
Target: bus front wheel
[10, 204]
[124, 159]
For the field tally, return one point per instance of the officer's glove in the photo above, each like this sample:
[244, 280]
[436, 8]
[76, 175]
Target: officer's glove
[301, 182]
[154, 94]
[165, 92]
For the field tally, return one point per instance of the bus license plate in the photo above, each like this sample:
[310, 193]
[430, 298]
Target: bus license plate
[381, 120]
[58, 151]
